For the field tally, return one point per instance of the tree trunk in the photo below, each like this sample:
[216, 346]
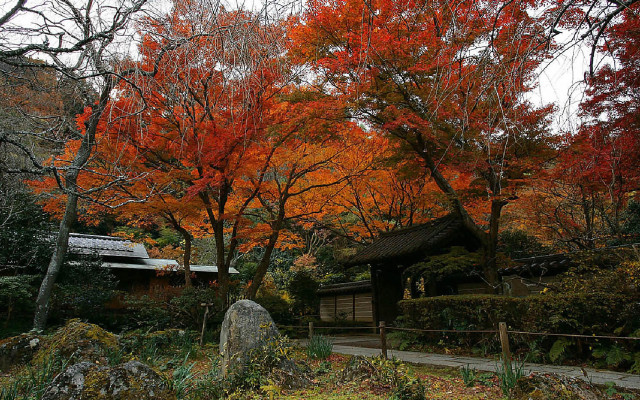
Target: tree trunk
[59, 252]
[488, 241]
[491, 247]
[186, 235]
[187, 260]
[218, 234]
[71, 207]
[263, 266]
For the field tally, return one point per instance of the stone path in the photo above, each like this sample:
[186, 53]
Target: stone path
[366, 346]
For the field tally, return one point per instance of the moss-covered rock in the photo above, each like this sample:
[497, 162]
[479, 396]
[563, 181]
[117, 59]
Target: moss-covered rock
[18, 349]
[130, 381]
[556, 387]
[79, 341]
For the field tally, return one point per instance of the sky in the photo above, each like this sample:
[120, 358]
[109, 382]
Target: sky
[561, 81]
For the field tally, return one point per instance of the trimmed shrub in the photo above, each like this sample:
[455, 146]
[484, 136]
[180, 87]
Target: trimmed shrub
[587, 314]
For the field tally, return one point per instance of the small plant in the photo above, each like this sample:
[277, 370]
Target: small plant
[486, 379]
[611, 389]
[319, 347]
[323, 368]
[560, 350]
[183, 378]
[209, 385]
[10, 392]
[115, 356]
[37, 378]
[256, 366]
[509, 376]
[469, 375]
[149, 352]
[409, 389]
[403, 340]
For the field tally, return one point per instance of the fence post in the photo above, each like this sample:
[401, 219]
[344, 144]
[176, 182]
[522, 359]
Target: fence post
[204, 320]
[383, 340]
[310, 330]
[504, 342]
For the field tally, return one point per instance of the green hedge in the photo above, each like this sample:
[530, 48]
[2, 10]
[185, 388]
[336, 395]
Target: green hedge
[599, 314]
[588, 314]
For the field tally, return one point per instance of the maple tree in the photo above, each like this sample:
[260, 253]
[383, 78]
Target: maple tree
[446, 80]
[389, 194]
[207, 111]
[580, 200]
[229, 147]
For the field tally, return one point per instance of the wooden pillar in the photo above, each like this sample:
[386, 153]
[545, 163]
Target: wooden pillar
[353, 311]
[383, 339]
[204, 320]
[504, 342]
[374, 299]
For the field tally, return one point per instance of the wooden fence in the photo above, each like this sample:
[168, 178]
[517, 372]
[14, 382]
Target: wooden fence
[502, 334]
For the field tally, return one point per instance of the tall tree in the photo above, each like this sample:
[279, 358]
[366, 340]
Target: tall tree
[447, 81]
[581, 198]
[75, 40]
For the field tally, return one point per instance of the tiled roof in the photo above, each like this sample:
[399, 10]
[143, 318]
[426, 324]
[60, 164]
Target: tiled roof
[407, 242]
[159, 264]
[539, 265]
[105, 246]
[555, 263]
[349, 287]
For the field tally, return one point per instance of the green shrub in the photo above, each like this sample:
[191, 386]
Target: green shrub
[255, 369]
[319, 347]
[16, 295]
[182, 311]
[302, 288]
[82, 290]
[278, 308]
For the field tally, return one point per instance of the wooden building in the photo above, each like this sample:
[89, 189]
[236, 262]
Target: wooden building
[393, 252]
[351, 301]
[135, 271]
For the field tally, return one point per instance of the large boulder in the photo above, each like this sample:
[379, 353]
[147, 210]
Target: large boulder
[246, 326]
[86, 380]
[18, 349]
[79, 341]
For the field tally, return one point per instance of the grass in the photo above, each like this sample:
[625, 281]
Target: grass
[319, 347]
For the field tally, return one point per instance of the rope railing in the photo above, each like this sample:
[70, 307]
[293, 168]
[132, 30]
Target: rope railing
[494, 331]
[502, 333]
[576, 335]
[439, 330]
[328, 327]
